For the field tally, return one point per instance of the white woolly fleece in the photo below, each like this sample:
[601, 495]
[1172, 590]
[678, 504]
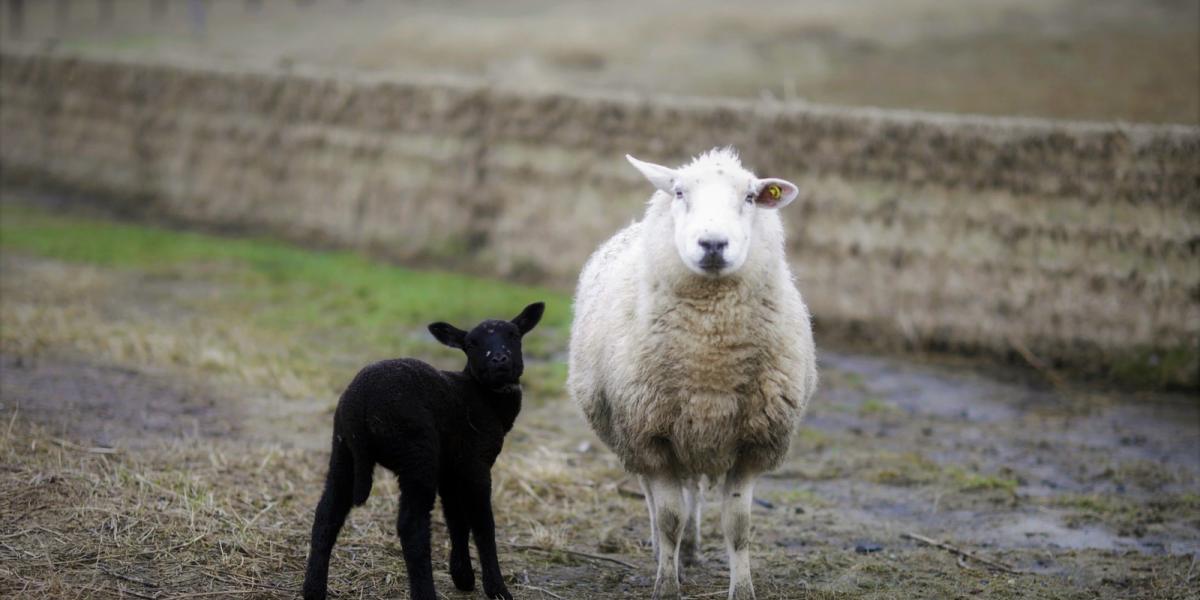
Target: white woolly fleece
[684, 373]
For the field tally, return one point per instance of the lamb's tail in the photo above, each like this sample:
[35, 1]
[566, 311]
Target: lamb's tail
[358, 461]
[364, 473]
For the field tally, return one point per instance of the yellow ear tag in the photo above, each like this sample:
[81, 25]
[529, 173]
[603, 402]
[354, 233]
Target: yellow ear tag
[774, 191]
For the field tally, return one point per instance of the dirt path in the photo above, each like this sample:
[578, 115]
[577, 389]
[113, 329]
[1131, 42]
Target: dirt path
[1086, 494]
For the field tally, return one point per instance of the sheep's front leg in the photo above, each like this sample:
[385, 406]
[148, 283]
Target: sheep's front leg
[735, 523]
[459, 524]
[670, 518]
[484, 527]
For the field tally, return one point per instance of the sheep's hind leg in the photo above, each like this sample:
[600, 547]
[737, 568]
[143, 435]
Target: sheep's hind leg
[667, 492]
[693, 498]
[649, 495]
[331, 515]
[735, 523]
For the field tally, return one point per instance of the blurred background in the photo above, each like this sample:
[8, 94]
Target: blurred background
[214, 212]
[1067, 59]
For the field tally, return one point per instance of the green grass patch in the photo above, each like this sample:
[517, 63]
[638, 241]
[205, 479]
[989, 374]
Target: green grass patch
[334, 287]
[324, 304]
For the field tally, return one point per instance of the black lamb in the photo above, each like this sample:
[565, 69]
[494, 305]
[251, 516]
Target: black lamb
[440, 433]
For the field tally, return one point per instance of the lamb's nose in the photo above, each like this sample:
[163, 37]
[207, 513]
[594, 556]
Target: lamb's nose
[713, 245]
[499, 358]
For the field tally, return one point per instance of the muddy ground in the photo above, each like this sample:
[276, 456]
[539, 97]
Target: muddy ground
[135, 464]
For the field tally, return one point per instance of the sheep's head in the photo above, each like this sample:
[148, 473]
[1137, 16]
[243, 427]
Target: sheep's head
[715, 205]
[493, 347]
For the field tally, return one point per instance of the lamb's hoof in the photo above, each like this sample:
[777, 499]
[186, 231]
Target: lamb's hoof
[314, 592]
[500, 593]
[463, 577]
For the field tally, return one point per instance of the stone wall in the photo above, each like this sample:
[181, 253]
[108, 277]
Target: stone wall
[1078, 242]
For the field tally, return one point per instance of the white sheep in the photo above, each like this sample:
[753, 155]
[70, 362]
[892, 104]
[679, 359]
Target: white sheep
[691, 351]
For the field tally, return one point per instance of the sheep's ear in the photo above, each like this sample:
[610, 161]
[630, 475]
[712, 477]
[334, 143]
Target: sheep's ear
[775, 193]
[662, 177]
[448, 334]
[529, 317]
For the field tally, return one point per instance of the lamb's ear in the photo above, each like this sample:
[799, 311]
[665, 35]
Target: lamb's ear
[775, 193]
[529, 317]
[660, 176]
[448, 334]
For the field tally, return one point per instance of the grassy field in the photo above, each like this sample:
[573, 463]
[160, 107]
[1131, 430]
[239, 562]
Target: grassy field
[166, 398]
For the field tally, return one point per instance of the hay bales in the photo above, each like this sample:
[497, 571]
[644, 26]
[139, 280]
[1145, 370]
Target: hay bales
[1077, 241]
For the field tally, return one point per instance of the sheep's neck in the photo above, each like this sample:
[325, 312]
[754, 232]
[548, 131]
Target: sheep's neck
[504, 403]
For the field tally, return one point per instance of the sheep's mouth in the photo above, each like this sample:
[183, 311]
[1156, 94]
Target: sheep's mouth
[713, 265]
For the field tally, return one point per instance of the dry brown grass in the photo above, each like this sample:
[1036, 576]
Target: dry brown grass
[205, 517]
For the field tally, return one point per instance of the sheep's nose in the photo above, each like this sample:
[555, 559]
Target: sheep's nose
[713, 245]
[499, 358]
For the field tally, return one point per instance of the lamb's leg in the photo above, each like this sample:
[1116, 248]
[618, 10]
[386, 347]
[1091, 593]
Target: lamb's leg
[412, 525]
[649, 495]
[331, 515]
[669, 521]
[735, 523]
[693, 498]
[483, 525]
[459, 524]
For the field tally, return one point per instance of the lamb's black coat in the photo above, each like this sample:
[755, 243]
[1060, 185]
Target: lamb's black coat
[439, 432]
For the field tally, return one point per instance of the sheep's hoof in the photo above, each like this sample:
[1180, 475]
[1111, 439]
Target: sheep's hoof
[666, 589]
[742, 590]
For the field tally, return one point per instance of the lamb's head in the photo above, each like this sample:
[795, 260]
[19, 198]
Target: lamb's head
[493, 347]
[715, 206]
